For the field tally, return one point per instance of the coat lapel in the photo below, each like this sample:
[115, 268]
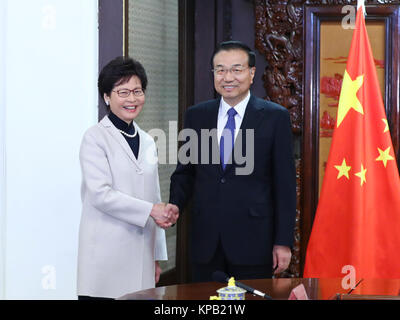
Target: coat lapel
[144, 145]
[113, 131]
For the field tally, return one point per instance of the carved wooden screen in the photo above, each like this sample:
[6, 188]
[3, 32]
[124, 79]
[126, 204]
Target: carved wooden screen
[288, 33]
[279, 37]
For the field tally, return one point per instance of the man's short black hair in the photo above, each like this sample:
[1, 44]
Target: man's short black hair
[235, 45]
[118, 71]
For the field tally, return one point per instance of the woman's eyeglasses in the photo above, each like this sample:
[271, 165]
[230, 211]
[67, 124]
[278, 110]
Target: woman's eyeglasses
[125, 93]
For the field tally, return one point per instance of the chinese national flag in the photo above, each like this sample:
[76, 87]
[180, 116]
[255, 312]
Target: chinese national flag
[358, 217]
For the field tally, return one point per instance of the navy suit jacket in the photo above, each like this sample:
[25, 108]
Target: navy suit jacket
[249, 213]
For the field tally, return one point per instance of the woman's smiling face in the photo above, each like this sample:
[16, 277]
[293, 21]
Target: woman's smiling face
[127, 108]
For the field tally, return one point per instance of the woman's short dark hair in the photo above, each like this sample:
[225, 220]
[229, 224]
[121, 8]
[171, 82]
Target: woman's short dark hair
[119, 71]
[235, 45]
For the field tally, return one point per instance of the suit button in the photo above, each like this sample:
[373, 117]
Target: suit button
[223, 180]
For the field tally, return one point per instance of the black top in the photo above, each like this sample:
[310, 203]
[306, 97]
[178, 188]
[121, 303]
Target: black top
[129, 129]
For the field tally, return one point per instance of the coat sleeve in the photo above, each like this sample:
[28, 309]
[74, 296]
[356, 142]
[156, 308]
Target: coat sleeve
[160, 248]
[160, 252]
[97, 183]
[284, 185]
[182, 179]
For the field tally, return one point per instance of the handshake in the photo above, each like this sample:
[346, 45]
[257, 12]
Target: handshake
[164, 215]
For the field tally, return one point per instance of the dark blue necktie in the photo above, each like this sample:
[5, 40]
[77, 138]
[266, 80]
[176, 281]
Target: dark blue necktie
[227, 138]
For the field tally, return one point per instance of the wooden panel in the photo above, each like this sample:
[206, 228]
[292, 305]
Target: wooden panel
[279, 37]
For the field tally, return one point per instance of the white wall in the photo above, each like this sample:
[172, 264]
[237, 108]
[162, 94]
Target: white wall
[48, 98]
[2, 147]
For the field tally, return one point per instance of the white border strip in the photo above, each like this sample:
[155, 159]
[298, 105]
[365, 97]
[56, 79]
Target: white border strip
[3, 182]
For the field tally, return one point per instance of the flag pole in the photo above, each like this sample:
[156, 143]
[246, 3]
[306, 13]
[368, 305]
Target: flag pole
[360, 4]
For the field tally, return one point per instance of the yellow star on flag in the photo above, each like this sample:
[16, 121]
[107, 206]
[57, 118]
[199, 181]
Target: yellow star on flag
[361, 175]
[386, 125]
[384, 156]
[348, 97]
[343, 170]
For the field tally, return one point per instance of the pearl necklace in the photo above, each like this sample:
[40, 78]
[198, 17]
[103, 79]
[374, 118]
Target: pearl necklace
[128, 135]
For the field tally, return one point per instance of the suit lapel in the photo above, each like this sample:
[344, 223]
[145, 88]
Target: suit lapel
[212, 114]
[211, 124]
[252, 118]
[113, 131]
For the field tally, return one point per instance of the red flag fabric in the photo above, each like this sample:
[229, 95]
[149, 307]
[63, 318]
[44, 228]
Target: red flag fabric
[357, 222]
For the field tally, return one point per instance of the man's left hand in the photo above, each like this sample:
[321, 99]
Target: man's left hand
[281, 256]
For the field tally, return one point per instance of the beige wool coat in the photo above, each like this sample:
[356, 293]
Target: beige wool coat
[118, 240]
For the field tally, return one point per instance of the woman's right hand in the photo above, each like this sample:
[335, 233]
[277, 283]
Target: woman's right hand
[160, 215]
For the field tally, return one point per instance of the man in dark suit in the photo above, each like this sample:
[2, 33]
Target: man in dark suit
[242, 221]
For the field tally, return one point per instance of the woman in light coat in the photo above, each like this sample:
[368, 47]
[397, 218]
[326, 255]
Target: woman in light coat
[121, 238]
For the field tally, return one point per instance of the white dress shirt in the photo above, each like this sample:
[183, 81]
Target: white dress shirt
[223, 115]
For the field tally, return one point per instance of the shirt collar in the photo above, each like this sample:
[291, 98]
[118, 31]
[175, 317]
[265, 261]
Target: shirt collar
[120, 124]
[240, 107]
